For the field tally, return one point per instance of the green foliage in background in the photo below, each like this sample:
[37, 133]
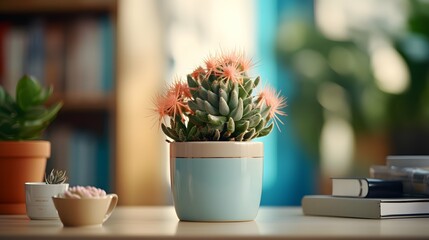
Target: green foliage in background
[336, 79]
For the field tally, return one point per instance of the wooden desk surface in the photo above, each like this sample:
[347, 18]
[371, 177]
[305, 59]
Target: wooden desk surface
[162, 223]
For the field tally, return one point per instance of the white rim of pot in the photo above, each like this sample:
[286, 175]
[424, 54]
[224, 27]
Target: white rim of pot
[217, 149]
[44, 184]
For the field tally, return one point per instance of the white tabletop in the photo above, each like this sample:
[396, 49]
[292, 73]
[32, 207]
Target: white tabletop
[162, 223]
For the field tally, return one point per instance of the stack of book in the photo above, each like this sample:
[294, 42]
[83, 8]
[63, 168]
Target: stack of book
[412, 170]
[398, 189]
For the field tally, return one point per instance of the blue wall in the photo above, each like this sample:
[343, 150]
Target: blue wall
[288, 172]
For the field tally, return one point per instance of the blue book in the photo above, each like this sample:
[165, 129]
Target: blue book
[102, 171]
[83, 155]
[34, 59]
[366, 188]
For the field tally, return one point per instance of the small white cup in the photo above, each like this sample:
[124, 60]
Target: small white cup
[38, 199]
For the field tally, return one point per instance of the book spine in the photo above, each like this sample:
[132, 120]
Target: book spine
[340, 207]
[4, 28]
[83, 68]
[366, 188]
[107, 51]
[34, 59]
[385, 189]
[102, 171]
[54, 56]
[82, 159]
[15, 43]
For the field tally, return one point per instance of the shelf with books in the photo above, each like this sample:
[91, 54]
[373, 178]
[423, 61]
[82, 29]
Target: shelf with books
[69, 45]
[71, 53]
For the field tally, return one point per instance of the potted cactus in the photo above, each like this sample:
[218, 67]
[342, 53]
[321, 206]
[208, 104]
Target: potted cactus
[38, 195]
[215, 168]
[22, 155]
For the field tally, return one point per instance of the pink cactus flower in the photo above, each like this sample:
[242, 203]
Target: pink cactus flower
[198, 72]
[174, 102]
[275, 101]
[212, 63]
[230, 72]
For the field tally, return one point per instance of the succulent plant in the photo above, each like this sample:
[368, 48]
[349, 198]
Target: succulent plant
[216, 103]
[26, 117]
[56, 177]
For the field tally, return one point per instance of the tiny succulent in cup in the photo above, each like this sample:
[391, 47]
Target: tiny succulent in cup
[56, 177]
[79, 192]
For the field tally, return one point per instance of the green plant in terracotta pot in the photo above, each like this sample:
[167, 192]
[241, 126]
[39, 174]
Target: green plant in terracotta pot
[216, 170]
[23, 155]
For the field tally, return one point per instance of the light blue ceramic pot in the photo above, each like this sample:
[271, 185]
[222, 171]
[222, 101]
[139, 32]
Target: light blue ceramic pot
[216, 181]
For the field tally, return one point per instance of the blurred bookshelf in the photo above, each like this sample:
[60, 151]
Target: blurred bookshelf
[70, 45]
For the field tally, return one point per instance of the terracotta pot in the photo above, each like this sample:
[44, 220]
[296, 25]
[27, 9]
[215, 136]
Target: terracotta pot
[20, 162]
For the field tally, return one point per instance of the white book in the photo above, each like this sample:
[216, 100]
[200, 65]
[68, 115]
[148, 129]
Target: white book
[15, 47]
[408, 161]
[83, 64]
[376, 208]
[366, 187]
